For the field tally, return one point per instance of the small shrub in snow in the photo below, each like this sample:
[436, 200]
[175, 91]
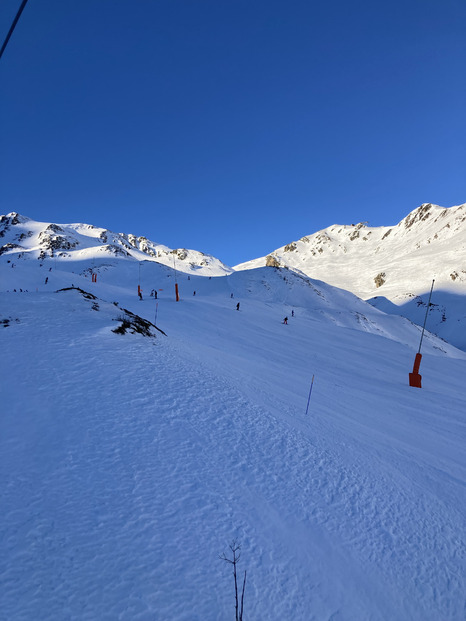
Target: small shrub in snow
[235, 548]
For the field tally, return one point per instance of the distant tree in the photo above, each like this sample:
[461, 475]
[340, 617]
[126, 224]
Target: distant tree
[235, 548]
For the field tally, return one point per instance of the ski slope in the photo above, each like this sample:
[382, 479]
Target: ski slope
[128, 464]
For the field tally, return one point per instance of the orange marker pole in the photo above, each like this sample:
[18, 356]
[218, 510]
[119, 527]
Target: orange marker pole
[414, 377]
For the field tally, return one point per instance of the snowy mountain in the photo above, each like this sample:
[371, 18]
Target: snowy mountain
[138, 438]
[393, 267]
[23, 238]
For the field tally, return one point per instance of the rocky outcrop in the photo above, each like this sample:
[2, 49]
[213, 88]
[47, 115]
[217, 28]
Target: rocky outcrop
[271, 261]
[380, 279]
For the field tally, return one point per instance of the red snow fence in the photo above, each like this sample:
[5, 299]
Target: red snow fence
[414, 377]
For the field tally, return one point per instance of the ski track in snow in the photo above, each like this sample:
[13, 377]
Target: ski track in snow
[120, 495]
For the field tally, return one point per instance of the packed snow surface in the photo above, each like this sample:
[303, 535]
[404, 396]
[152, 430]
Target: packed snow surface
[128, 463]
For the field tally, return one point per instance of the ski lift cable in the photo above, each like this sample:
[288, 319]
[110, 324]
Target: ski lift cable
[15, 21]
[425, 319]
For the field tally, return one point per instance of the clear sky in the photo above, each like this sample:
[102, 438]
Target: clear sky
[232, 126]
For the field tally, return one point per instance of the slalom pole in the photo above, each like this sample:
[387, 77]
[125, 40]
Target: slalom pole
[309, 398]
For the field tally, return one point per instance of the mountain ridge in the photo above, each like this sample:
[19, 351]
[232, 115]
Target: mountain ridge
[321, 252]
[75, 241]
[392, 267]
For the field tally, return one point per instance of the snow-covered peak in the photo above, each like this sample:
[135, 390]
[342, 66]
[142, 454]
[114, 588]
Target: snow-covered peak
[352, 256]
[394, 264]
[12, 218]
[23, 238]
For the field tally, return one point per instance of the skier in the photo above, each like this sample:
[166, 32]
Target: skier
[285, 321]
[155, 293]
[237, 306]
[140, 295]
[292, 313]
[194, 293]
[46, 280]
[231, 296]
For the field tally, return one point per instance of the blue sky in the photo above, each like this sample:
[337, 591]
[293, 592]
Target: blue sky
[232, 126]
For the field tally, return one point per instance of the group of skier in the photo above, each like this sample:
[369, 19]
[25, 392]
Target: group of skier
[285, 321]
[153, 293]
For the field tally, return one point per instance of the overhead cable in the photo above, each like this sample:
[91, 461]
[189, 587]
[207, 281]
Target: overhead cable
[15, 21]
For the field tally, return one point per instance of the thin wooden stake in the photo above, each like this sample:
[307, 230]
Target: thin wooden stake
[309, 398]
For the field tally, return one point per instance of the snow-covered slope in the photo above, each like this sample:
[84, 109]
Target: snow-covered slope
[22, 238]
[129, 463]
[393, 265]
